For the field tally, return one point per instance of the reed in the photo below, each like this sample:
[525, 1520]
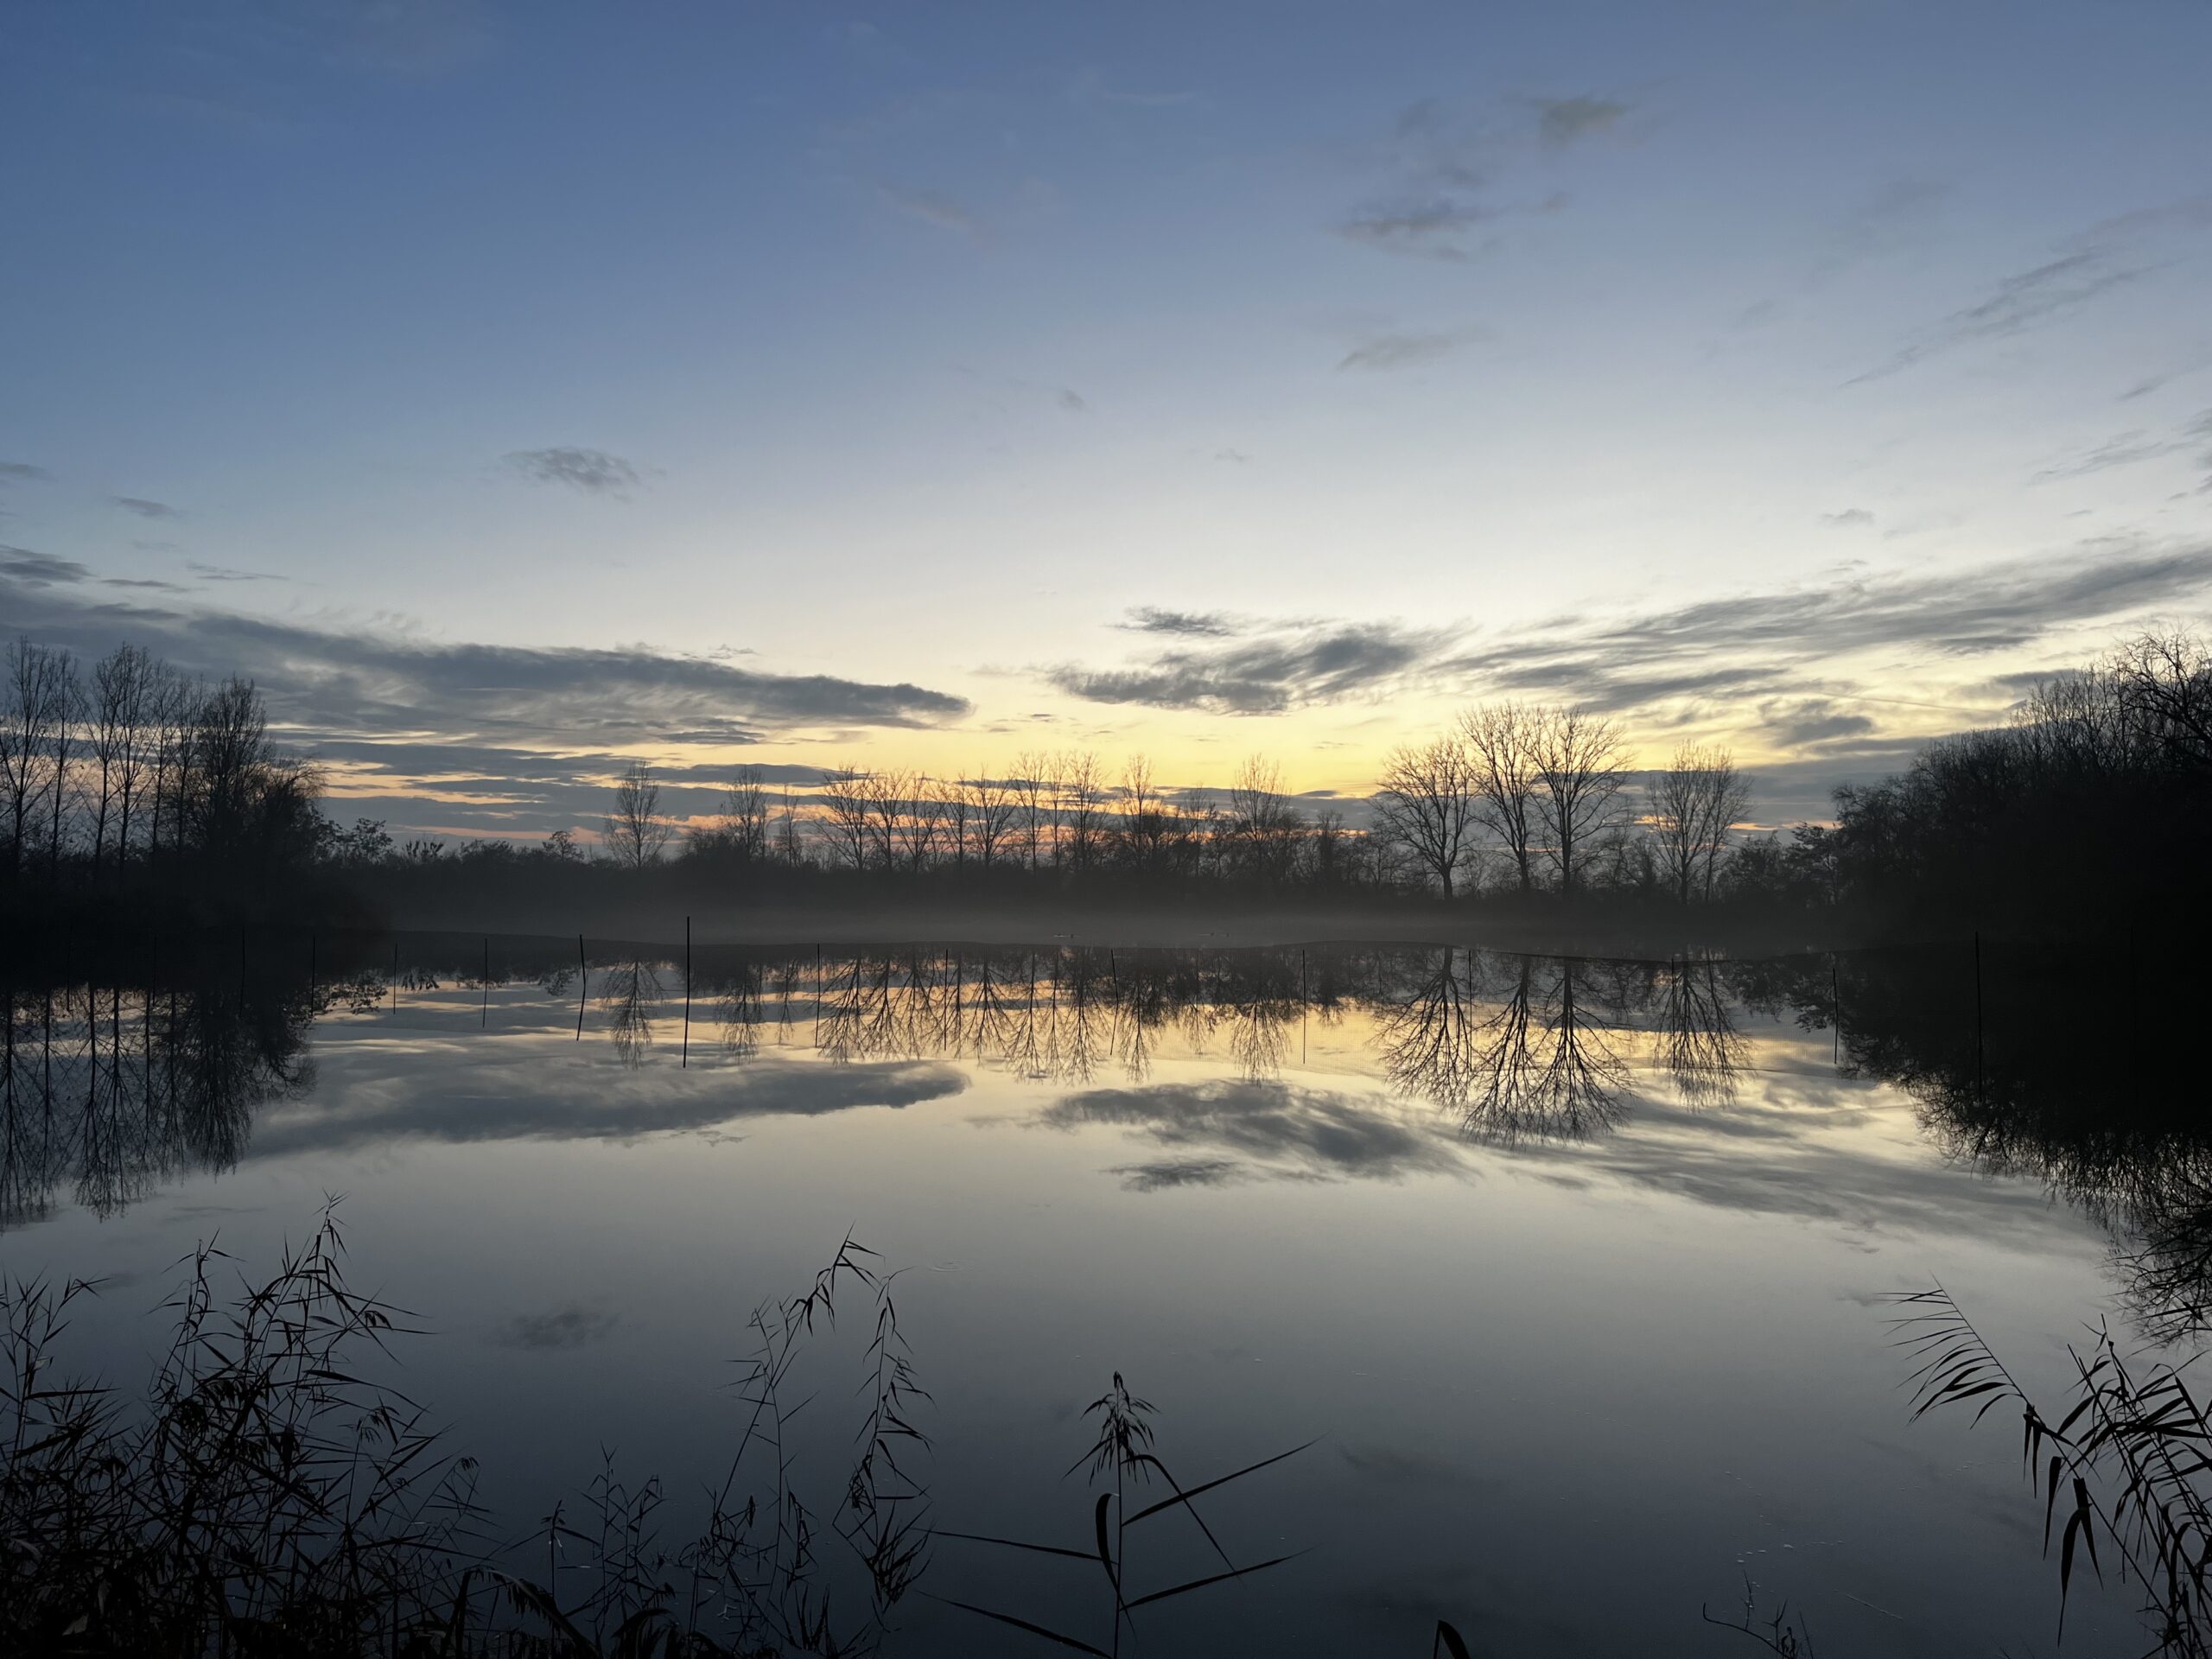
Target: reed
[2125, 1465]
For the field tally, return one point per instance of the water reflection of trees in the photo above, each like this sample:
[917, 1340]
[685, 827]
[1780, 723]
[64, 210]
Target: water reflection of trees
[1059, 1015]
[629, 992]
[2074, 1070]
[105, 1092]
[1519, 1047]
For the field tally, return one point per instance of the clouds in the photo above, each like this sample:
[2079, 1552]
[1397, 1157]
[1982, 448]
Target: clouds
[2082, 269]
[1150, 619]
[352, 690]
[1849, 518]
[22, 471]
[2128, 448]
[1444, 171]
[1396, 352]
[931, 209]
[143, 507]
[1765, 641]
[593, 472]
[39, 570]
[1797, 722]
[1288, 668]
[1562, 121]
[1420, 230]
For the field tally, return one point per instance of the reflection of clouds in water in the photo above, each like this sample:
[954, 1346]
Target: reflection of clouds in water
[1775, 1162]
[562, 1327]
[434, 1098]
[1178, 1172]
[1274, 1129]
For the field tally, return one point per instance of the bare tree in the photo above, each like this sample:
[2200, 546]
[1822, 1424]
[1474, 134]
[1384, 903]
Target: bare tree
[120, 686]
[33, 737]
[1263, 823]
[1581, 768]
[1081, 794]
[791, 848]
[1691, 807]
[1148, 829]
[846, 793]
[927, 827]
[956, 810]
[65, 709]
[1501, 739]
[2165, 686]
[740, 830]
[1033, 789]
[171, 700]
[994, 809]
[1426, 804]
[635, 830]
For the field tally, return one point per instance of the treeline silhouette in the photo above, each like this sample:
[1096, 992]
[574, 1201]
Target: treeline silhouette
[134, 788]
[2087, 812]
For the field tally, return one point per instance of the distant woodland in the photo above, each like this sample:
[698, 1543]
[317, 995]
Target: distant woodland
[131, 794]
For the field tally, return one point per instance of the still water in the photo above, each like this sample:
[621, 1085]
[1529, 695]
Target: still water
[1574, 1271]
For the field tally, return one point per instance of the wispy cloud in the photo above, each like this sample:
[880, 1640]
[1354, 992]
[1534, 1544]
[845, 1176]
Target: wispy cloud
[22, 471]
[1289, 668]
[1396, 352]
[332, 682]
[144, 508]
[1151, 619]
[1849, 518]
[932, 208]
[594, 472]
[2016, 304]
[223, 573]
[1764, 642]
[39, 570]
[1562, 121]
[1799, 722]
[1421, 229]
[1443, 171]
[2127, 448]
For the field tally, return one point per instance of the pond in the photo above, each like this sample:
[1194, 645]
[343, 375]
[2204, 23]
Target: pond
[1572, 1279]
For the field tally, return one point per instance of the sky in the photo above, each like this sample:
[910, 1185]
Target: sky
[515, 391]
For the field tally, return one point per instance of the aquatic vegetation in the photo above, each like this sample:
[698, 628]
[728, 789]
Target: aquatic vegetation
[270, 1493]
[2126, 1464]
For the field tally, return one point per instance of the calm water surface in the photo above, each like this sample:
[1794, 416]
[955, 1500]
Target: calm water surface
[1573, 1269]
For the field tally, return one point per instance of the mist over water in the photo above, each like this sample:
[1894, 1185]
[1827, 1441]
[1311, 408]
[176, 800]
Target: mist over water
[1573, 1268]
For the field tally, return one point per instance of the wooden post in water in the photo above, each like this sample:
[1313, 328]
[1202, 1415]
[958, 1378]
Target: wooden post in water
[484, 1020]
[1980, 1077]
[583, 979]
[1835, 1008]
[686, 1061]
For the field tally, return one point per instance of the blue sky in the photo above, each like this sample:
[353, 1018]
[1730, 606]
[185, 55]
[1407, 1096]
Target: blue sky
[514, 389]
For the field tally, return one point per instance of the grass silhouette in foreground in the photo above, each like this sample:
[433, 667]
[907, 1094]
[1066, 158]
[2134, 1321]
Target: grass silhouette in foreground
[270, 1494]
[2127, 1461]
[1124, 1452]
